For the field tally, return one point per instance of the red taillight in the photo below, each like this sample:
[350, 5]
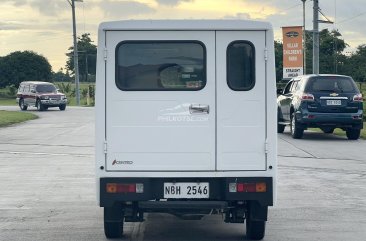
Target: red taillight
[357, 98]
[124, 188]
[248, 187]
[307, 97]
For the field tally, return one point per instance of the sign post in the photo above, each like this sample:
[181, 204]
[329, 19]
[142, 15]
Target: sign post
[292, 52]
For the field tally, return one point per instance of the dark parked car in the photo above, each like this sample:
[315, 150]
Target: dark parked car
[41, 95]
[321, 101]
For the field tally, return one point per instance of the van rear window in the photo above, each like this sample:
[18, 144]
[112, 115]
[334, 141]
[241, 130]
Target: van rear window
[160, 65]
[241, 65]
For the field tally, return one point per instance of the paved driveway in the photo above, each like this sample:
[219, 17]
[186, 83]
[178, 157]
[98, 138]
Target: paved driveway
[48, 191]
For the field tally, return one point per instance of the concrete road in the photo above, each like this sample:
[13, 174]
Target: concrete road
[48, 192]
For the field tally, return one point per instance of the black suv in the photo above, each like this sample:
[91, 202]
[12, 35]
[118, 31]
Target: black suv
[321, 101]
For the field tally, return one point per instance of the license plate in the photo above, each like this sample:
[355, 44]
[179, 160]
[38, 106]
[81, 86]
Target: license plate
[186, 190]
[334, 102]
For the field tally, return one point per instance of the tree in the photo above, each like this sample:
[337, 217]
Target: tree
[331, 47]
[22, 66]
[279, 60]
[87, 60]
[355, 65]
[60, 76]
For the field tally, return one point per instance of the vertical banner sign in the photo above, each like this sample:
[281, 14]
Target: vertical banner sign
[292, 52]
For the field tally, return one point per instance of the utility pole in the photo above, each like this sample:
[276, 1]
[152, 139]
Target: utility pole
[76, 58]
[316, 37]
[304, 37]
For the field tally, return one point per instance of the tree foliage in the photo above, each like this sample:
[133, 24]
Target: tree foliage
[279, 59]
[330, 51]
[355, 65]
[60, 76]
[87, 56]
[23, 66]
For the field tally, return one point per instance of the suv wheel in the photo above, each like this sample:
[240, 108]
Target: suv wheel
[22, 105]
[353, 134]
[280, 128]
[40, 106]
[62, 107]
[296, 131]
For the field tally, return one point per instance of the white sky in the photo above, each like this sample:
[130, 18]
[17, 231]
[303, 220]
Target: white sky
[45, 26]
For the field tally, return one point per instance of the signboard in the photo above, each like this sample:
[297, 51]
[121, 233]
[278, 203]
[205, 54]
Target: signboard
[292, 52]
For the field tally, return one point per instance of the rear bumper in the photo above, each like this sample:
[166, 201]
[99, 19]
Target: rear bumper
[219, 195]
[336, 120]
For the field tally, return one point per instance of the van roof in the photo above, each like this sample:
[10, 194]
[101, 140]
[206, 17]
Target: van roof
[185, 25]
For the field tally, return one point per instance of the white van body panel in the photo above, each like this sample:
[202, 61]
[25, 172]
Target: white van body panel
[236, 139]
[241, 119]
[155, 129]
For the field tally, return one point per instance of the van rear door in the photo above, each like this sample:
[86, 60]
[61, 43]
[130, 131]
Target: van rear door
[241, 100]
[160, 100]
[185, 101]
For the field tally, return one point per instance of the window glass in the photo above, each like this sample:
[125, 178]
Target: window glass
[241, 65]
[298, 86]
[21, 88]
[293, 86]
[160, 65]
[331, 84]
[287, 88]
[45, 88]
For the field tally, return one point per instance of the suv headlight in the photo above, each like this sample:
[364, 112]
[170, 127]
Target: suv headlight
[45, 97]
[63, 97]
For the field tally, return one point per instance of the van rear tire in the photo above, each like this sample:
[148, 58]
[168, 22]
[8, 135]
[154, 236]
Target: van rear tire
[113, 221]
[113, 229]
[255, 229]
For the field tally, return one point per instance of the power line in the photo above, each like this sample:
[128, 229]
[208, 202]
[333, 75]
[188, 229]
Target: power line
[294, 6]
[348, 19]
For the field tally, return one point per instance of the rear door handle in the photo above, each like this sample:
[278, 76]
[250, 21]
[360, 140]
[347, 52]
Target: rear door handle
[198, 108]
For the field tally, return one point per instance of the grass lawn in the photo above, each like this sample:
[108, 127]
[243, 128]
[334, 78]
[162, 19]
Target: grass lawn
[340, 132]
[6, 101]
[12, 117]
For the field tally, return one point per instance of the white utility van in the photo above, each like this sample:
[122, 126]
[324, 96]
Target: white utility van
[186, 121]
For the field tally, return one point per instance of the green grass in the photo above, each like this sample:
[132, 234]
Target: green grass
[12, 117]
[7, 101]
[340, 132]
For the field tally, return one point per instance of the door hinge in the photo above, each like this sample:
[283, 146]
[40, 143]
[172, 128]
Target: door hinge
[105, 147]
[266, 147]
[265, 54]
[105, 54]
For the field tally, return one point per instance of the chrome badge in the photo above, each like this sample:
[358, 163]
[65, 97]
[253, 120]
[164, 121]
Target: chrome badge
[333, 94]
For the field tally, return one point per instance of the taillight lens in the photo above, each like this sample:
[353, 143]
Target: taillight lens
[248, 187]
[125, 188]
[357, 98]
[307, 97]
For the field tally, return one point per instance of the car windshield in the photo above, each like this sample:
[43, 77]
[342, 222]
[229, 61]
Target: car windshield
[331, 84]
[45, 88]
